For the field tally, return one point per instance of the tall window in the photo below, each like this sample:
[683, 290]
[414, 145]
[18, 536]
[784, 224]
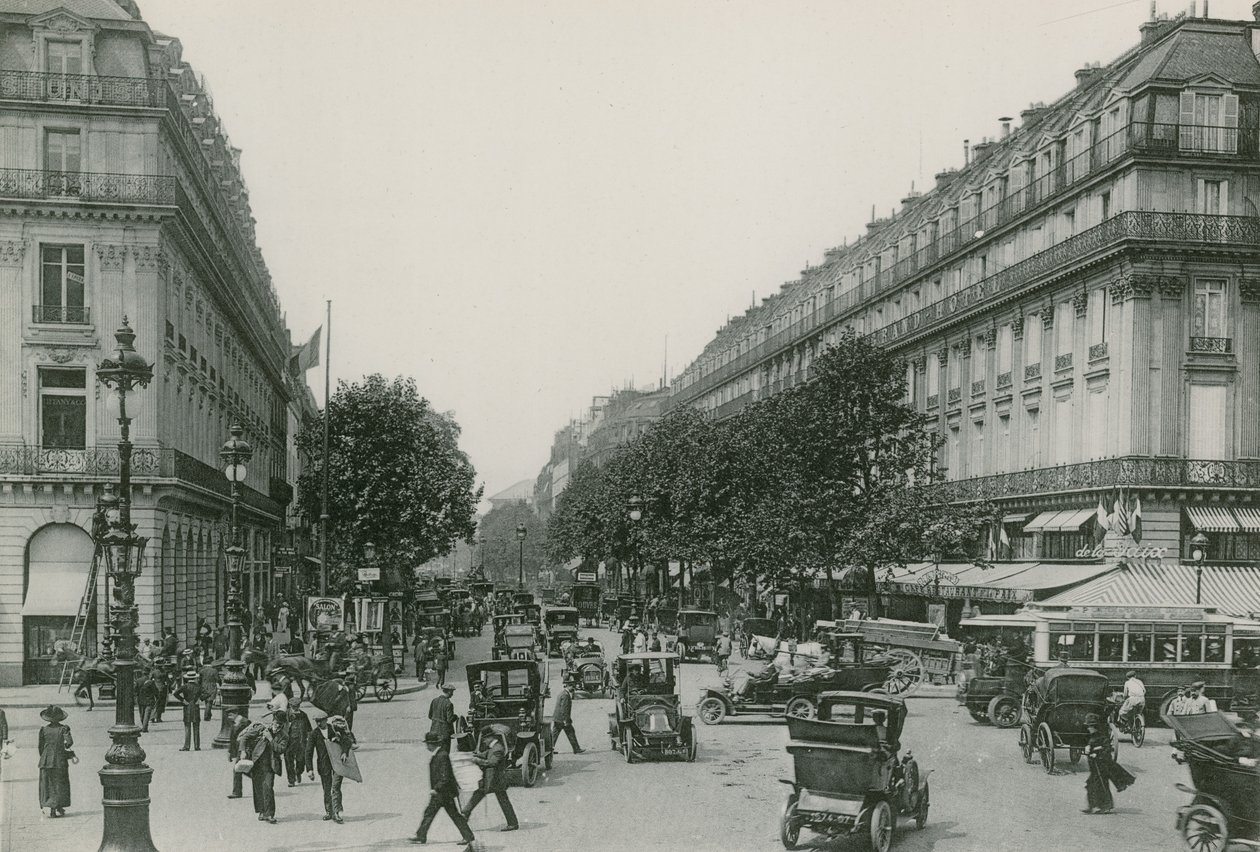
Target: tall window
[62, 408]
[1098, 316]
[1209, 122]
[1208, 430]
[62, 160]
[1209, 309]
[63, 60]
[1032, 339]
[61, 285]
[1063, 322]
[1004, 349]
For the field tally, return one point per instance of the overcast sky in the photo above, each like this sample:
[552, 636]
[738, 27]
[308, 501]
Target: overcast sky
[519, 202]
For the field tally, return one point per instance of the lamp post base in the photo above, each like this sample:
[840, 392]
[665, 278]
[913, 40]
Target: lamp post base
[234, 694]
[125, 779]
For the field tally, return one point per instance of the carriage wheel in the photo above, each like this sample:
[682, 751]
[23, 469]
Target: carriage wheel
[881, 827]
[789, 827]
[361, 691]
[628, 745]
[385, 689]
[921, 813]
[1074, 756]
[1045, 746]
[1026, 742]
[907, 671]
[1137, 730]
[529, 765]
[711, 710]
[1205, 829]
[693, 747]
[1004, 711]
[802, 708]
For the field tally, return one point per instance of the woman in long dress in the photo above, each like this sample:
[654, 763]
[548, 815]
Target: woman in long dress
[56, 753]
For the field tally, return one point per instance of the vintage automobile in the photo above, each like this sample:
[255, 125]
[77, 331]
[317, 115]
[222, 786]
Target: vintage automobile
[560, 624]
[647, 719]
[548, 594]
[608, 610]
[996, 697]
[480, 588]
[531, 612]
[587, 670]
[585, 597]
[1054, 712]
[849, 777]
[522, 598]
[509, 693]
[519, 642]
[1226, 790]
[697, 634]
[798, 696]
[503, 620]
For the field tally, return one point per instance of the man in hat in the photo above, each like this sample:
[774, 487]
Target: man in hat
[1196, 701]
[562, 718]
[419, 645]
[263, 743]
[440, 662]
[442, 713]
[1177, 706]
[187, 694]
[1134, 697]
[146, 697]
[329, 733]
[209, 680]
[723, 651]
[492, 760]
[237, 723]
[295, 756]
[443, 790]
[161, 681]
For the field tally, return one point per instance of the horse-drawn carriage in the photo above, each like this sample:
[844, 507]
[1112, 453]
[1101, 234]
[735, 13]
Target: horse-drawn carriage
[1055, 709]
[1226, 783]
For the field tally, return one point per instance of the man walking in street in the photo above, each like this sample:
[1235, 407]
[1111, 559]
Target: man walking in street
[562, 719]
[442, 713]
[329, 735]
[209, 677]
[146, 697]
[494, 780]
[263, 743]
[440, 662]
[723, 652]
[418, 648]
[187, 694]
[161, 682]
[295, 760]
[443, 790]
[237, 723]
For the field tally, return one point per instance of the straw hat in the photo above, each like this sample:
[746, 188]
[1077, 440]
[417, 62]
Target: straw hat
[52, 713]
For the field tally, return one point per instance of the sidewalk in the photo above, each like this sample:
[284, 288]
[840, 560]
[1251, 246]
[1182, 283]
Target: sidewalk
[40, 696]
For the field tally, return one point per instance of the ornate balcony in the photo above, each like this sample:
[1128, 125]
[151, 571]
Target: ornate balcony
[933, 400]
[1215, 345]
[977, 388]
[60, 314]
[954, 396]
[87, 186]
[81, 89]
[1127, 472]
[1004, 380]
[1098, 351]
[1032, 371]
[1062, 362]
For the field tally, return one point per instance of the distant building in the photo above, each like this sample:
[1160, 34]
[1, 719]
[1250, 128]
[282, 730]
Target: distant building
[521, 492]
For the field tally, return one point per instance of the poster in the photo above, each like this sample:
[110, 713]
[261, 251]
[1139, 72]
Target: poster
[325, 613]
[369, 614]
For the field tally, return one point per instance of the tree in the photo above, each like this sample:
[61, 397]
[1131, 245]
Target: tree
[502, 550]
[397, 478]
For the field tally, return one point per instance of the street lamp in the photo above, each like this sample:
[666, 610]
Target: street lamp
[521, 532]
[481, 540]
[387, 637]
[125, 777]
[234, 691]
[1198, 552]
[634, 507]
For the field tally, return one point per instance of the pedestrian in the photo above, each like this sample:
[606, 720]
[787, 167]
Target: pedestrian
[627, 638]
[442, 712]
[84, 678]
[723, 651]
[440, 662]
[237, 723]
[352, 686]
[262, 744]
[146, 650]
[492, 759]
[329, 750]
[146, 697]
[1177, 707]
[188, 694]
[640, 641]
[418, 656]
[562, 719]
[1103, 770]
[443, 790]
[4, 740]
[56, 753]
[163, 684]
[1196, 702]
[295, 762]
[220, 643]
[209, 684]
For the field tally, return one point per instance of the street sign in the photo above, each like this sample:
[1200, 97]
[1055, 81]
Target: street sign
[366, 574]
[283, 556]
[280, 569]
[586, 576]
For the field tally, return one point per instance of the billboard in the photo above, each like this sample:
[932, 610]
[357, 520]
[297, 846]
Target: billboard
[325, 613]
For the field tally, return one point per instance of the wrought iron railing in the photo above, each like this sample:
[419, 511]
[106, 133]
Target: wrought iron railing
[25, 460]
[81, 89]
[87, 186]
[933, 400]
[734, 406]
[953, 395]
[1127, 472]
[1179, 140]
[1032, 371]
[977, 388]
[63, 314]
[1098, 351]
[1004, 380]
[1062, 362]
[1220, 345]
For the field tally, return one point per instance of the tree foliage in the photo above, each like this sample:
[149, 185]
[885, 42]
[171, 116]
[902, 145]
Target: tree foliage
[502, 553]
[397, 478]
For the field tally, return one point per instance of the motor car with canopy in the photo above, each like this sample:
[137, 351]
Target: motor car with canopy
[560, 625]
[505, 699]
[647, 721]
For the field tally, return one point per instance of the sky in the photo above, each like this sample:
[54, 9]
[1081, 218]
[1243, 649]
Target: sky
[527, 204]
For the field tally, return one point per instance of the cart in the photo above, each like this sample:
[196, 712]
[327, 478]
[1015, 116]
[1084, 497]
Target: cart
[1226, 783]
[921, 653]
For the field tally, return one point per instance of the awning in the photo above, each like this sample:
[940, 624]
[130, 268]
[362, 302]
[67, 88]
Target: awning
[313, 559]
[1038, 524]
[1015, 518]
[1013, 582]
[1232, 589]
[1248, 519]
[1069, 521]
[1212, 519]
[56, 588]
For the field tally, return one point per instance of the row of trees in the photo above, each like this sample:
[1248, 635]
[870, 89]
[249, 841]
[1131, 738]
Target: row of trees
[831, 476]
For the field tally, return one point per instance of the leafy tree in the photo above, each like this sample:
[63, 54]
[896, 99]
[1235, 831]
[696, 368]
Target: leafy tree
[502, 552]
[397, 478]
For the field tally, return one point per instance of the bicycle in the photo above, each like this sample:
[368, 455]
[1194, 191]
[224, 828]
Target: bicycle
[1135, 726]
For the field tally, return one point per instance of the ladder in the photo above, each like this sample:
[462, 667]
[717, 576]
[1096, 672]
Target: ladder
[80, 623]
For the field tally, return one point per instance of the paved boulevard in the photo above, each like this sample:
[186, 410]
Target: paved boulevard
[983, 795]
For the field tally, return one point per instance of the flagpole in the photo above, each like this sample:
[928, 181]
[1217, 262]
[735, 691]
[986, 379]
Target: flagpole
[323, 512]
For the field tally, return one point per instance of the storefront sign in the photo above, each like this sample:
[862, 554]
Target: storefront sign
[1136, 613]
[283, 557]
[1101, 552]
[977, 593]
[586, 576]
[369, 574]
[325, 614]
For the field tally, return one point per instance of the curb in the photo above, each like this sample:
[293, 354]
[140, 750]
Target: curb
[40, 705]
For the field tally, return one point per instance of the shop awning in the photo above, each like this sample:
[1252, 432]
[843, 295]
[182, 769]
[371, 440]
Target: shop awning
[312, 559]
[1248, 519]
[1012, 582]
[1038, 524]
[1212, 519]
[1231, 589]
[1015, 518]
[56, 588]
[1069, 521]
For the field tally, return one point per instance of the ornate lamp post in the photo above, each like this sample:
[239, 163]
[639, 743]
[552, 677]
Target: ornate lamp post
[125, 776]
[387, 638]
[1198, 553]
[521, 532]
[234, 691]
[481, 540]
[634, 507]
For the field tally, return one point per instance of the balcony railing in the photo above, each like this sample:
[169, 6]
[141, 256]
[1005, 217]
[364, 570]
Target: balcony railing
[1218, 345]
[1004, 380]
[1032, 371]
[954, 395]
[81, 89]
[1126, 472]
[933, 400]
[87, 186]
[1098, 351]
[1062, 362]
[734, 406]
[62, 314]
[977, 388]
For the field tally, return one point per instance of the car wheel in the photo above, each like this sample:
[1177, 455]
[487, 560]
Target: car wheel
[921, 812]
[693, 748]
[1026, 742]
[881, 827]
[1045, 747]
[1004, 711]
[789, 828]
[1205, 829]
[628, 745]
[681, 648]
[1138, 730]
[550, 757]
[529, 765]
[802, 708]
[711, 710]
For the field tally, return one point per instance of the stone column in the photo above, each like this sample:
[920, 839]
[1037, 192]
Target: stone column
[1247, 381]
[16, 392]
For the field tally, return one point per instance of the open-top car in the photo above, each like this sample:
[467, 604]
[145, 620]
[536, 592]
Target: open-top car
[849, 776]
[560, 623]
[505, 699]
[1225, 783]
[1055, 708]
[777, 695]
[697, 633]
[587, 671]
[647, 719]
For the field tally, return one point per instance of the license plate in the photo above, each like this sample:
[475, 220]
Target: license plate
[674, 751]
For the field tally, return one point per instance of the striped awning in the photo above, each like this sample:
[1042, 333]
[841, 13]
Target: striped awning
[1015, 518]
[1069, 521]
[1231, 589]
[1248, 519]
[1038, 524]
[1212, 519]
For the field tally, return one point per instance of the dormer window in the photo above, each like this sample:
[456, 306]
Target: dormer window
[1209, 122]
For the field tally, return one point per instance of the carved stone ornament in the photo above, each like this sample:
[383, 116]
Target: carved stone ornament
[1047, 317]
[1080, 303]
[1017, 326]
[1249, 290]
[25, 382]
[61, 356]
[942, 355]
[920, 364]
[147, 258]
[62, 23]
[1170, 288]
[111, 257]
[964, 347]
[1144, 285]
[990, 337]
[11, 252]
[1121, 291]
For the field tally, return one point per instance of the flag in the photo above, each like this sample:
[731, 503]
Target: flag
[1004, 541]
[1100, 531]
[307, 355]
[1119, 521]
[1135, 520]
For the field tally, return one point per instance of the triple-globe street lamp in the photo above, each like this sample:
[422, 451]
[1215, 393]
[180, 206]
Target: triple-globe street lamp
[125, 776]
[521, 533]
[634, 510]
[234, 691]
[1198, 553]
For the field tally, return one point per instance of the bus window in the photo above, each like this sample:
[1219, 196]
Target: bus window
[1191, 643]
[1246, 653]
[1165, 643]
[1110, 643]
[1214, 644]
[1139, 638]
[1077, 646]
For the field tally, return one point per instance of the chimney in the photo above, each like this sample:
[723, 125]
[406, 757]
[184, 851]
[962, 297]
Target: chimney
[966, 152]
[1030, 115]
[945, 178]
[1086, 75]
[981, 149]
[1006, 125]
[1193, 4]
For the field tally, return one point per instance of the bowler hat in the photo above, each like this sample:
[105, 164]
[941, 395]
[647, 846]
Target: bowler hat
[1130, 673]
[1093, 719]
[52, 713]
[434, 738]
[448, 687]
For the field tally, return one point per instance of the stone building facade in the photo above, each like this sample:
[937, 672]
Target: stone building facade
[121, 195]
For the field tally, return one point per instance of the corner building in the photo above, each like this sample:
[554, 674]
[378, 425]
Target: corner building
[1079, 310]
[120, 194]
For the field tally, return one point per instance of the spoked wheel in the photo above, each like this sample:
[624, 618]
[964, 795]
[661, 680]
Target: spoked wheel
[1045, 746]
[1026, 742]
[789, 828]
[1004, 711]
[385, 689]
[711, 711]
[1074, 756]
[361, 691]
[628, 745]
[1205, 829]
[802, 708]
[1137, 730]
[921, 812]
[881, 827]
[529, 765]
[907, 671]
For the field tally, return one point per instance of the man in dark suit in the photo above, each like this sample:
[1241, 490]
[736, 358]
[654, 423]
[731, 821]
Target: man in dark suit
[263, 744]
[209, 677]
[295, 762]
[146, 696]
[443, 790]
[161, 682]
[188, 694]
[492, 760]
[323, 737]
[442, 713]
[562, 719]
[238, 723]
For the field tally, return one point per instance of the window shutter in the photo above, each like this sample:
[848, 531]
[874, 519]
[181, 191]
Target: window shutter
[1230, 134]
[1187, 120]
[1225, 192]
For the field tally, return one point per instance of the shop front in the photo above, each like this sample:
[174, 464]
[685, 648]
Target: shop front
[59, 558]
